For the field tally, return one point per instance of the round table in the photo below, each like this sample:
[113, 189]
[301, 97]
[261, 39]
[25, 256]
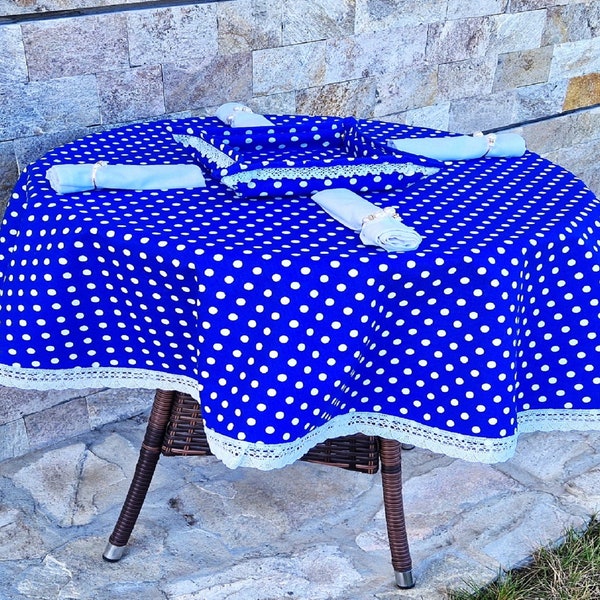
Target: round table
[290, 331]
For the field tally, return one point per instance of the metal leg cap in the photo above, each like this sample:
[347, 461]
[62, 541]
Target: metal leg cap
[404, 579]
[113, 553]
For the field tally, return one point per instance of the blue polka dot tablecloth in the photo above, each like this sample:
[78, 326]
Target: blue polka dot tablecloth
[289, 330]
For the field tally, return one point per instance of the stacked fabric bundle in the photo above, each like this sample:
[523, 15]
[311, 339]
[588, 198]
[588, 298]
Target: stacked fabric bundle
[295, 155]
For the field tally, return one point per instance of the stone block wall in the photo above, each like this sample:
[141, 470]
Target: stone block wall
[30, 420]
[69, 68]
[449, 64]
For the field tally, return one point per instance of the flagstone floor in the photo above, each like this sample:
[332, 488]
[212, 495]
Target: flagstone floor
[305, 532]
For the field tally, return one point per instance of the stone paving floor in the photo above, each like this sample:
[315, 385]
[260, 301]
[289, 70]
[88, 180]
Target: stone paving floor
[305, 532]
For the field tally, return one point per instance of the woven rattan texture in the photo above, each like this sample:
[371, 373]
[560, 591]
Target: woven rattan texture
[185, 437]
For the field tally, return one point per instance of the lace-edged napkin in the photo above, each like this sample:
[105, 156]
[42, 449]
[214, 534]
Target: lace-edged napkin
[462, 147]
[66, 179]
[236, 114]
[377, 226]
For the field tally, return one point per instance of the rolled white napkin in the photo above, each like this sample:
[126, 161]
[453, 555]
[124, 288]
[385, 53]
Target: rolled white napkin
[236, 114]
[463, 147]
[377, 226]
[66, 179]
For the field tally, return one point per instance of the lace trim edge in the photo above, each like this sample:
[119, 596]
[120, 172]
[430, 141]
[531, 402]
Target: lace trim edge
[235, 453]
[322, 172]
[208, 151]
[239, 453]
[63, 379]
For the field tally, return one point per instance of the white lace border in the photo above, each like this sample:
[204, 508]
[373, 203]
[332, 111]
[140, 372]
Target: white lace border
[237, 453]
[234, 453]
[324, 172]
[208, 151]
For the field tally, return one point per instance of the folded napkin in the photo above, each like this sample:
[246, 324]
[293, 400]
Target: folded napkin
[236, 114]
[377, 226]
[463, 147]
[66, 179]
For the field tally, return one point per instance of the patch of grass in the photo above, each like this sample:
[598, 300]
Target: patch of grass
[571, 571]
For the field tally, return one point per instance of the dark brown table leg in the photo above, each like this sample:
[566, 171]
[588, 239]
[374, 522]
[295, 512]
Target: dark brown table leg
[148, 459]
[391, 477]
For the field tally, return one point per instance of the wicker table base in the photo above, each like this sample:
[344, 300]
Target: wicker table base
[175, 428]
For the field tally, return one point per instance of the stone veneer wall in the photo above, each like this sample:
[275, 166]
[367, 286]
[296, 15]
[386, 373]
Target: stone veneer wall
[69, 68]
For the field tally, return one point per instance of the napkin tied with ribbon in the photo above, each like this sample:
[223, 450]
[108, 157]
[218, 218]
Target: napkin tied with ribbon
[236, 114]
[66, 179]
[462, 147]
[377, 226]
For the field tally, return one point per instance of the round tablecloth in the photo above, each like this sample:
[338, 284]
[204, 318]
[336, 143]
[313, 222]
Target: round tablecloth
[287, 328]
